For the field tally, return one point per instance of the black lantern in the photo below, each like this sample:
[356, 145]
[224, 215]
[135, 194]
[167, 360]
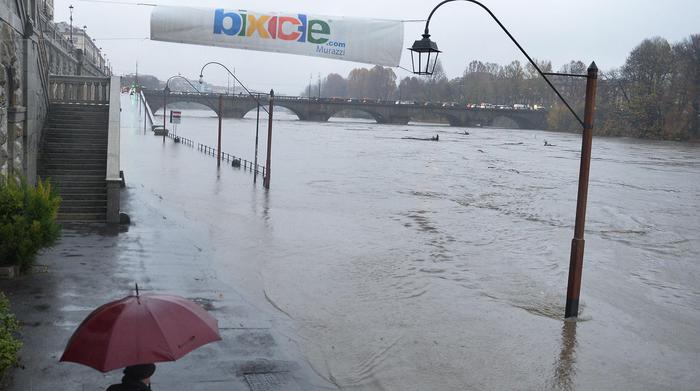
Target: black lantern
[424, 54]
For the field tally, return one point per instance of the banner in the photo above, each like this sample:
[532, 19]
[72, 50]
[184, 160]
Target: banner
[370, 41]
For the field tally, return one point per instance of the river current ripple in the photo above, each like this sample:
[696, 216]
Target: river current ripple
[400, 264]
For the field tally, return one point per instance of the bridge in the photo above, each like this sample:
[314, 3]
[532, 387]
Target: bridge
[384, 112]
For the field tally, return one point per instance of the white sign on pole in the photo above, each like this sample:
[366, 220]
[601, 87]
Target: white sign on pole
[175, 116]
[370, 41]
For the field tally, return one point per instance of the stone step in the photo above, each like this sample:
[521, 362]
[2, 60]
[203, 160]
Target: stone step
[74, 165]
[77, 128]
[69, 147]
[92, 203]
[78, 117]
[100, 188]
[83, 209]
[76, 107]
[77, 131]
[86, 170]
[85, 125]
[62, 182]
[84, 197]
[48, 156]
[78, 114]
[76, 217]
[76, 140]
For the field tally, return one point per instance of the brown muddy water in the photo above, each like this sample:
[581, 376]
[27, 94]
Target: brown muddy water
[407, 265]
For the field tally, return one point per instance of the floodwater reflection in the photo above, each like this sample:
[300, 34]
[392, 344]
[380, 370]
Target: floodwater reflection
[366, 238]
[564, 371]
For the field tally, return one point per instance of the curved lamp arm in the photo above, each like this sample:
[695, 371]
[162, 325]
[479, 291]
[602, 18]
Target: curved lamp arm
[255, 98]
[183, 78]
[516, 44]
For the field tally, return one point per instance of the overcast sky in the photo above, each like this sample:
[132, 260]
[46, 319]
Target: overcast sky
[558, 30]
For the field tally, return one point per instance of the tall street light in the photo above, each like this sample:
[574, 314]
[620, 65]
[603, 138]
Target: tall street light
[266, 179]
[166, 91]
[424, 54]
[71, 24]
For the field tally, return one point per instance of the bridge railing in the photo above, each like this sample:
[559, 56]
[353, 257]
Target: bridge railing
[449, 106]
[79, 89]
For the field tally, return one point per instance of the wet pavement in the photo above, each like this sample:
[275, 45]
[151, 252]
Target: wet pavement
[94, 265]
[165, 253]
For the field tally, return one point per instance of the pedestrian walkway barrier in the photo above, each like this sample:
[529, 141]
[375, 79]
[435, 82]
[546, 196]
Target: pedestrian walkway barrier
[235, 161]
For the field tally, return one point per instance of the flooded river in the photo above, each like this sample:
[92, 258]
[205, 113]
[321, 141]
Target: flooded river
[400, 264]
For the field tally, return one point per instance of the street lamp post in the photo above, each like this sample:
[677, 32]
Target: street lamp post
[84, 38]
[71, 25]
[266, 179]
[424, 54]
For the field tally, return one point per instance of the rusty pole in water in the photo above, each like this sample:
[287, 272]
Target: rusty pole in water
[577, 243]
[257, 127]
[266, 180]
[165, 106]
[221, 114]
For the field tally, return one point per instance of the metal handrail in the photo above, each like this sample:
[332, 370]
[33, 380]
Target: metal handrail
[149, 112]
[234, 160]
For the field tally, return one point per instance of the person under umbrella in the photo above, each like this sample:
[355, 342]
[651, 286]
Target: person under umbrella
[136, 378]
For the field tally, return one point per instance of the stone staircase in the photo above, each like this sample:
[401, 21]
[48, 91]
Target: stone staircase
[74, 157]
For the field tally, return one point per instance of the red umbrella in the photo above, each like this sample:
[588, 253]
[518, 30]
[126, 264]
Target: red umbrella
[140, 329]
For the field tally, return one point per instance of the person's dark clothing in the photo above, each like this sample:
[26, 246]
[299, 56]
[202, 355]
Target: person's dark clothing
[132, 378]
[129, 385]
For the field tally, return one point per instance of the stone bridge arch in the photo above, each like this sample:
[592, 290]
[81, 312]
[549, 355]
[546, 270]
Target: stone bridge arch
[293, 108]
[520, 121]
[156, 103]
[378, 117]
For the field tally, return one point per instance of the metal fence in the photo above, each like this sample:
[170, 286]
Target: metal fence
[235, 161]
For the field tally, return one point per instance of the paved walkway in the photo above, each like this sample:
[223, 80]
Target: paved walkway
[162, 252]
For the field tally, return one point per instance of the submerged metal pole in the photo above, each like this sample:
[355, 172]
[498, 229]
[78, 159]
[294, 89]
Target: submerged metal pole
[165, 110]
[257, 127]
[266, 180]
[577, 243]
[221, 114]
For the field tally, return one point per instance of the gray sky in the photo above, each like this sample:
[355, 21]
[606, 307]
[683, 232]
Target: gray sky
[558, 30]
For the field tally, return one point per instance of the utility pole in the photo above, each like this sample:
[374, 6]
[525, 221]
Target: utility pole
[266, 180]
[218, 148]
[319, 85]
[257, 127]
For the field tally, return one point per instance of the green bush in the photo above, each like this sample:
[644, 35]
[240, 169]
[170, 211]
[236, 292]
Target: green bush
[27, 221]
[9, 345]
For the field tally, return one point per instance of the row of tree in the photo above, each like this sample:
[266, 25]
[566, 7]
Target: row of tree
[655, 94]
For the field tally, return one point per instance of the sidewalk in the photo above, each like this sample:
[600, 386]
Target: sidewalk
[162, 253]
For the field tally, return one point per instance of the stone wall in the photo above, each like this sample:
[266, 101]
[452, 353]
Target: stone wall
[11, 97]
[23, 98]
